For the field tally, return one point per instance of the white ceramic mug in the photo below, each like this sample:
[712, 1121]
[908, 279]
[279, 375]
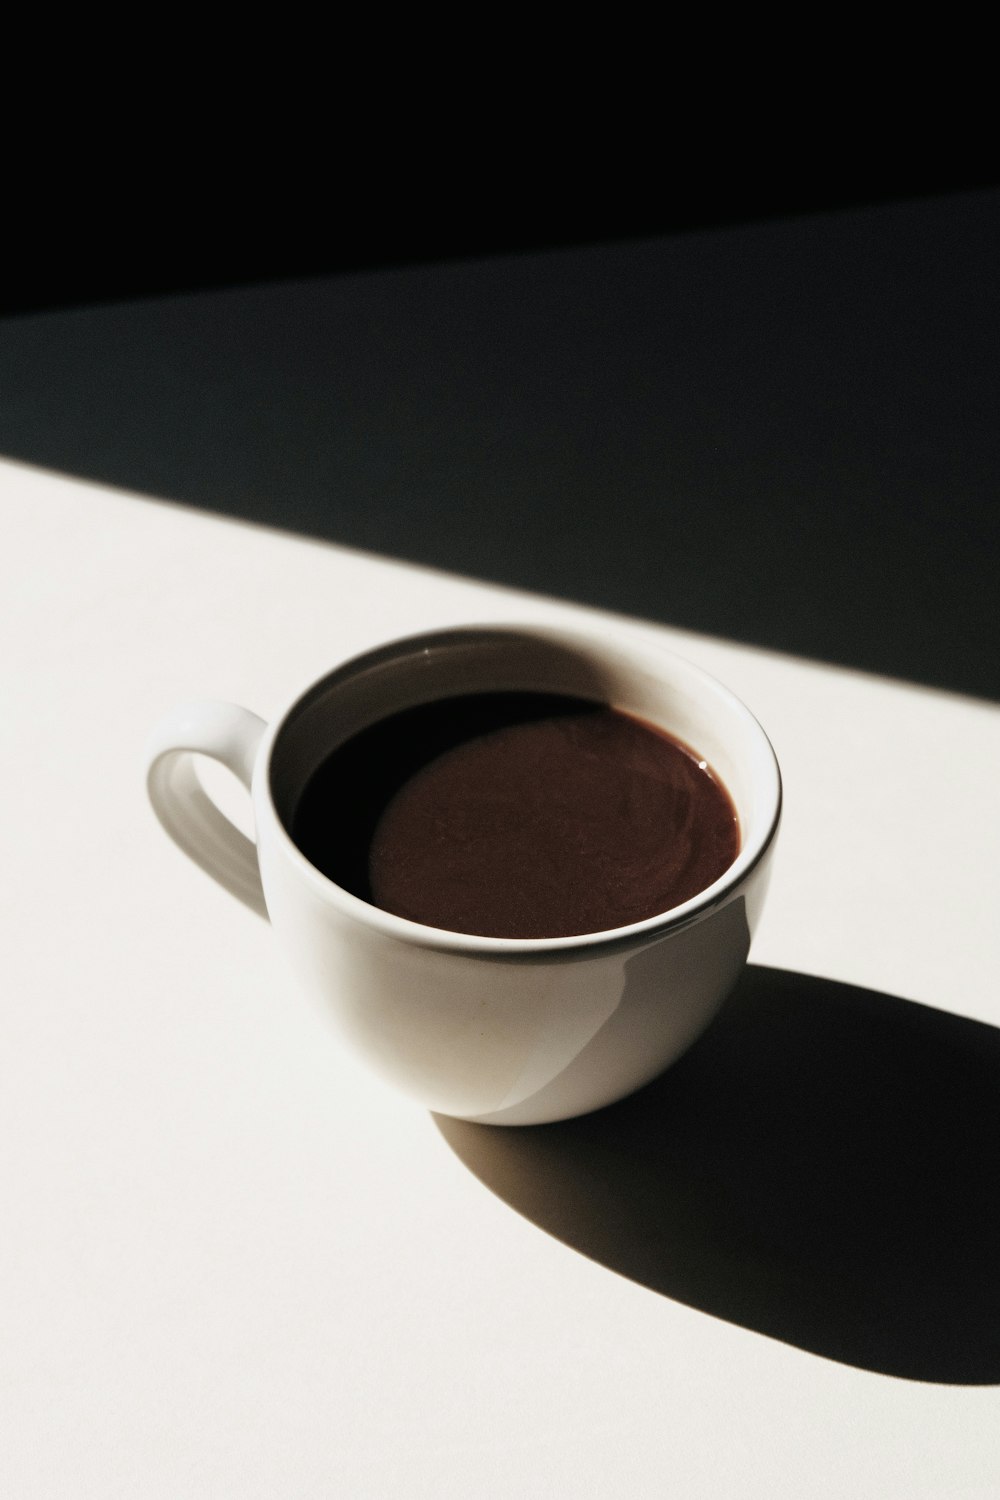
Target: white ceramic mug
[508, 1031]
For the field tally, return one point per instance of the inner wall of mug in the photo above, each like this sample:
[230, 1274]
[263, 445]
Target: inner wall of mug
[653, 685]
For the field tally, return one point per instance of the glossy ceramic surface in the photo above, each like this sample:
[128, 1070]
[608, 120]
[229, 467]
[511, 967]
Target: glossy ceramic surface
[499, 1030]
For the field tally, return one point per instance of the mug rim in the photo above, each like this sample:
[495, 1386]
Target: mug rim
[404, 929]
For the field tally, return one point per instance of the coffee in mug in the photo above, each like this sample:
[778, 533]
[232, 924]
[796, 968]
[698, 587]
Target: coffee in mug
[602, 922]
[517, 815]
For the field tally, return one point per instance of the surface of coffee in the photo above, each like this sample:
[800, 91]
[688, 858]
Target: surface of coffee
[517, 815]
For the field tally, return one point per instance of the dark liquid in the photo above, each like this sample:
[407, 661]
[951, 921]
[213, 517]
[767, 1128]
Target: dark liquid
[517, 815]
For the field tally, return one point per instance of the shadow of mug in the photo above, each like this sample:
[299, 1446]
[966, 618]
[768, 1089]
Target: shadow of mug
[822, 1167]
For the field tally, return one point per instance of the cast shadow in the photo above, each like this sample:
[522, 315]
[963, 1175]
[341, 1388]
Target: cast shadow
[822, 1167]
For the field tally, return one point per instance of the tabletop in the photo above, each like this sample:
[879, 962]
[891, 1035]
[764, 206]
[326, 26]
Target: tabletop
[235, 1264]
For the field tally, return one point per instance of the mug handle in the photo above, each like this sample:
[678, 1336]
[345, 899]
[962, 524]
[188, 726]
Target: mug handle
[231, 735]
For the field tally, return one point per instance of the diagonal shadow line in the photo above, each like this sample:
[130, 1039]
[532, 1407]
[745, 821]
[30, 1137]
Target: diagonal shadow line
[783, 435]
[822, 1167]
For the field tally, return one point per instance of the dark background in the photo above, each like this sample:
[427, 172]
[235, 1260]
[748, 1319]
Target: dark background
[751, 408]
[125, 237]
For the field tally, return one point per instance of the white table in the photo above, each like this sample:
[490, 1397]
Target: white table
[231, 1264]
